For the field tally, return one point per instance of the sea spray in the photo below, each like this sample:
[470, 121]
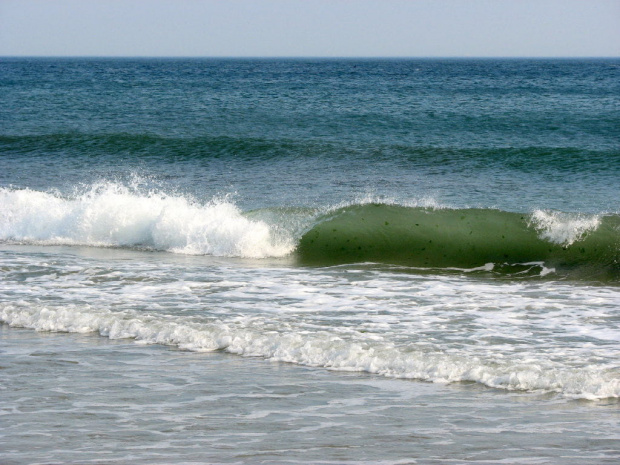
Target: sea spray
[110, 214]
[563, 228]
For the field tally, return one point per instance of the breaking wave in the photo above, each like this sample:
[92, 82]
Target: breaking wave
[112, 215]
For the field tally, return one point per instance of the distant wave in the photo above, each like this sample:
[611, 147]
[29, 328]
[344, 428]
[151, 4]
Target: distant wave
[158, 147]
[527, 159]
[113, 215]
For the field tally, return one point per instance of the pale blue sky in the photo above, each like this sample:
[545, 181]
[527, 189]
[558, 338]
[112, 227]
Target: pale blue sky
[323, 28]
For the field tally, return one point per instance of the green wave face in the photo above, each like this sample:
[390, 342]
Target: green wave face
[468, 238]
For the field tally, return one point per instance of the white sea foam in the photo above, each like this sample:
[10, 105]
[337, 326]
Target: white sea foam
[114, 215]
[250, 336]
[563, 228]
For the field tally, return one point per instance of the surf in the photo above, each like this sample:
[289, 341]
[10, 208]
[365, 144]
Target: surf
[255, 337]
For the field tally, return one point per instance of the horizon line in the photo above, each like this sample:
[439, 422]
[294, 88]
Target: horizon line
[323, 57]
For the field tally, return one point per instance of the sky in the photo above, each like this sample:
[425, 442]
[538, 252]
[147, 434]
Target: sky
[310, 28]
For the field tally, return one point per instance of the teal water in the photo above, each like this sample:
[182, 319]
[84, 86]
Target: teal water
[466, 132]
[340, 238]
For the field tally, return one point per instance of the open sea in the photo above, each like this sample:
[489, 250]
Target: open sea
[295, 261]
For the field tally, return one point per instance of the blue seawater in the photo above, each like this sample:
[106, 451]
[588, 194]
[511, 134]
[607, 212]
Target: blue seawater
[406, 236]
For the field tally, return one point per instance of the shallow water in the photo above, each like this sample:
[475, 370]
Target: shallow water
[528, 334]
[71, 398]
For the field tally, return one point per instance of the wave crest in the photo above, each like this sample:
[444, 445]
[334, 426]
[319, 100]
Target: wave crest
[424, 236]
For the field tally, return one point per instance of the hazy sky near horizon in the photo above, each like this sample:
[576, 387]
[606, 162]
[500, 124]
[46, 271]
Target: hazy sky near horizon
[318, 28]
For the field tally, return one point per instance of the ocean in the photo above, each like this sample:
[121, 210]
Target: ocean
[321, 261]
